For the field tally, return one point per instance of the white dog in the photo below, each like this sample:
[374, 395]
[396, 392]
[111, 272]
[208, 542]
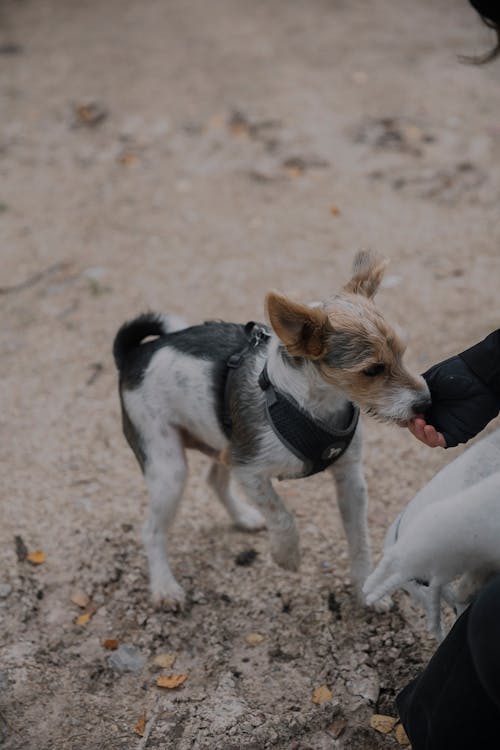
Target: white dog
[449, 531]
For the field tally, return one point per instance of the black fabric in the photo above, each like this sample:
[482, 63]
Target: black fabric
[455, 703]
[316, 445]
[488, 9]
[462, 404]
[484, 361]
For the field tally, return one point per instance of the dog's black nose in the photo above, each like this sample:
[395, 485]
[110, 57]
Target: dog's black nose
[422, 406]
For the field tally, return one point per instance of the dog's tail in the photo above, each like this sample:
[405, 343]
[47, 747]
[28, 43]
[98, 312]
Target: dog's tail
[131, 334]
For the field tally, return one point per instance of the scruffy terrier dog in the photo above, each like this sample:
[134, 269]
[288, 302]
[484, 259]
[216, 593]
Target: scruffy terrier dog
[263, 403]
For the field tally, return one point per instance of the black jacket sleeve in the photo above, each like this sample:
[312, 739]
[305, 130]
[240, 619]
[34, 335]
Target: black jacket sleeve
[465, 391]
[484, 360]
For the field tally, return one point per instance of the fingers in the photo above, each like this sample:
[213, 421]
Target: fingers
[426, 433]
[434, 438]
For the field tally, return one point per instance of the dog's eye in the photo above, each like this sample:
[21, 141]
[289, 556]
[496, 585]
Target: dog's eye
[374, 370]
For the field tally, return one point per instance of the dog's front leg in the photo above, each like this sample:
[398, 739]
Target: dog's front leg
[352, 499]
[280, 522]
[434, 611]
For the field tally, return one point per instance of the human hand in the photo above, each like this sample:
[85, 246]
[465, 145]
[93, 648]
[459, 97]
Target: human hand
[462, 405]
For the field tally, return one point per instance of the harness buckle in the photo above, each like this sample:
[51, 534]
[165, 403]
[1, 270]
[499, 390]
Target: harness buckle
[332, 451]
[234, 360]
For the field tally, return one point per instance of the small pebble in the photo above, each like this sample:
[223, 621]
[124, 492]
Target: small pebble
[127, 659]
[5, 590]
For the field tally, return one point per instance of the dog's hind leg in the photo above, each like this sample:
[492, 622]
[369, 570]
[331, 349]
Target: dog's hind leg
[280, 522]
[165, 472]
[243, 515]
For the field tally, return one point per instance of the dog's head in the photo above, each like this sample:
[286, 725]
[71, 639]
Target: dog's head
[352, 345]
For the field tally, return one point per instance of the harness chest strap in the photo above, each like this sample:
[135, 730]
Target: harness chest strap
[315, 444]
[255, 335]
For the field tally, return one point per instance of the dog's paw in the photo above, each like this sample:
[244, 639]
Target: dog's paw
[169, 596]
[385, 604]
[249, 519]
[286, 555]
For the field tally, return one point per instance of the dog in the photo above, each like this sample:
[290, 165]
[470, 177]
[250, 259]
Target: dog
[444, 545]
[259, 402]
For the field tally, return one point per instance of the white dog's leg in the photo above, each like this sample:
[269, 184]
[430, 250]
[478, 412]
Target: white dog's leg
[165, 473]
[243, 515]
[375, 591]
[434, 610]
[352, 500]
[279, 521]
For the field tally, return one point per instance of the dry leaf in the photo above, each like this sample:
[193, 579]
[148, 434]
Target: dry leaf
[140, 725]
[165, 661]
[36, 558]
[83, 619]
[128, 158]
[383, 724]
[171, 681]
[111, 644]
[253, 639]
[322, 694]
[337, 727]
[81, 599]
[401, 735]
[334, 210]
[90, 114]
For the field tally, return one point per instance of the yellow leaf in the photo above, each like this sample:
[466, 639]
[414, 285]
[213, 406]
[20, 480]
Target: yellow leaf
[83, 619]
[322, 694]
[383, 724]
[253, 639]
[165, 661]
[128, 158]
[81, 599]
[171, 681]
[111, 644]
[140, 725]
[36, 558]
[401, 735]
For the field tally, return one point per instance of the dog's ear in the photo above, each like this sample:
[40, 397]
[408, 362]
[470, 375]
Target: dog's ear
[301, 328]
[367, 270]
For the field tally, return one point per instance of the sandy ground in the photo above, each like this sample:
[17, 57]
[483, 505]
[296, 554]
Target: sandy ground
[239, 146]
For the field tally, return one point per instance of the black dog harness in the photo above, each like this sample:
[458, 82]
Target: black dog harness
[316, 444]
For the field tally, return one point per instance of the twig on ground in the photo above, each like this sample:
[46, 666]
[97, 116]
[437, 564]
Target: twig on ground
[147, 730]
[33, 279]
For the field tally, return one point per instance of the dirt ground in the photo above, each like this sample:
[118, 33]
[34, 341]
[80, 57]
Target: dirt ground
[189, 156]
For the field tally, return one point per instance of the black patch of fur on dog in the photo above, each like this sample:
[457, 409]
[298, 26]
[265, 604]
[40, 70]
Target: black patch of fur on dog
[132, 357]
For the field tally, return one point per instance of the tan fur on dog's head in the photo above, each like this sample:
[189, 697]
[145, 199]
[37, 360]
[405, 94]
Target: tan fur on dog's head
[352, 345]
